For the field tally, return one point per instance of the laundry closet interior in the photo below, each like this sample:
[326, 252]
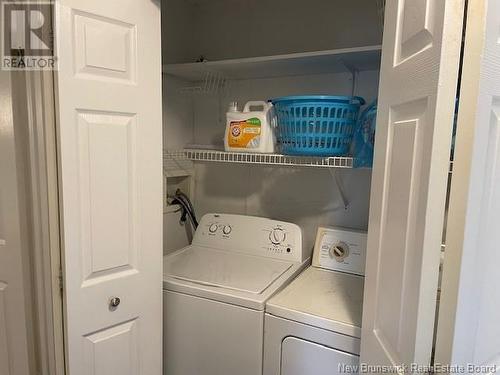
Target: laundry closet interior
[258, 50]
[218, 52]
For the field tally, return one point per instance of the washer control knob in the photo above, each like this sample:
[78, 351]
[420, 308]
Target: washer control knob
[277, 236]
[213, 228]
[339, 251]
[226, 229]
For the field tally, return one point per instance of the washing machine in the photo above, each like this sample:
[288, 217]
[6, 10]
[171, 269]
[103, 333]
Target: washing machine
[313, 326]
[215, 291]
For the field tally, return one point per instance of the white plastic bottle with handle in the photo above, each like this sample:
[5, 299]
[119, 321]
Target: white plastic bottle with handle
[250, 131]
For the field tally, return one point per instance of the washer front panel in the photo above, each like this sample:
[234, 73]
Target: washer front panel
[299, 357]
[277, 329]
[208, 337]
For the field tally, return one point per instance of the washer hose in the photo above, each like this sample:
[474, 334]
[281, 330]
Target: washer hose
[186, 207]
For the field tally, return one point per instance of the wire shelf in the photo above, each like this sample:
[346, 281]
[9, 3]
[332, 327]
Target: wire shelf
[263, 159]
[176, 164]
[212, 83]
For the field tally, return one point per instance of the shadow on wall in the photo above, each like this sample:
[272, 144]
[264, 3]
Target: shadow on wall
[307, 197]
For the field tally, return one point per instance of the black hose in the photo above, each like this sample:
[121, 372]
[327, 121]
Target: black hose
[180, 195]
[187, 208]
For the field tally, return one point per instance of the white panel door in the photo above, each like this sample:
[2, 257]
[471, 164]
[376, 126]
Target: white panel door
[420, 61]
[110, 153]
[468, 328]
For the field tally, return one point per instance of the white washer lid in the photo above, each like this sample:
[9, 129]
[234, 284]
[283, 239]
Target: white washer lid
[225, 269]
[326, 299]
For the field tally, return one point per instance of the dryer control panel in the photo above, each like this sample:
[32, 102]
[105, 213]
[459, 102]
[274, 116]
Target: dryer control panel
[251, 235]
[340, 249]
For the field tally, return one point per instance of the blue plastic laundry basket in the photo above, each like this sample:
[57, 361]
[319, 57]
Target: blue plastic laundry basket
[316, 125]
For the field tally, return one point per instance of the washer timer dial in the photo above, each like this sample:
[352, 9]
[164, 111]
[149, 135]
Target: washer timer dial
[339, 251]
[277, 236]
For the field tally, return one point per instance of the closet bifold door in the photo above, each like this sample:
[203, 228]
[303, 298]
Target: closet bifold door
[109, 127]
[419, 71]
[468, 330]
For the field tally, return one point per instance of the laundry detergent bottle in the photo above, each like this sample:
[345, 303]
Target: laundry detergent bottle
[250, 131]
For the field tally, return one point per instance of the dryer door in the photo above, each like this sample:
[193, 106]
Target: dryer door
[299, 357]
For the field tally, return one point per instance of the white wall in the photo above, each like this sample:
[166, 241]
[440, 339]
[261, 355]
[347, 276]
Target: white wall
[219, 29]
[178, 115]
[17, 319]
[178, 33]
[305, 196]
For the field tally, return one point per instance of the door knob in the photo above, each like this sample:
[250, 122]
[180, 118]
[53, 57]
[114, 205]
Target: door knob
[114, 302]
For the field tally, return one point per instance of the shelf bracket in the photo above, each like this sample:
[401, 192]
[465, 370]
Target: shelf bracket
[340, 188]
[354, 88]
[354, 73]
